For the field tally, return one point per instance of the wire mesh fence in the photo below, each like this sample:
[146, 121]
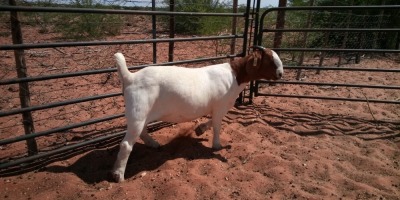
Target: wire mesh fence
[332, 29]
[335, 53]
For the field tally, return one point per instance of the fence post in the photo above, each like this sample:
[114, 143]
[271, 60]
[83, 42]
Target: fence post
[304, 41]
[154, 32]
[24, 93]
[234, 26]
[346, 34]
[171, 31]
[280, 24]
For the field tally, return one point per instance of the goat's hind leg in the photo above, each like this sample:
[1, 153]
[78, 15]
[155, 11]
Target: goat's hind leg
[125, 150]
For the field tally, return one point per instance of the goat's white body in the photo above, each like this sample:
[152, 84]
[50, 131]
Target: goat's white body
[173, 94]
[177, 94]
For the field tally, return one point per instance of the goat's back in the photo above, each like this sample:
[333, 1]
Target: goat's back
[177, 94]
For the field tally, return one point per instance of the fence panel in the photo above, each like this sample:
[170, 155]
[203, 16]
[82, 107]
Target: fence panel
[75, 94]
[349, 41]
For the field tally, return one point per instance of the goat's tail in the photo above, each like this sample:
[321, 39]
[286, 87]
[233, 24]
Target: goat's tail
[121, 66]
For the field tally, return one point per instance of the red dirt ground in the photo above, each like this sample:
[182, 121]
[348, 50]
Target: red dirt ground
[276, 148]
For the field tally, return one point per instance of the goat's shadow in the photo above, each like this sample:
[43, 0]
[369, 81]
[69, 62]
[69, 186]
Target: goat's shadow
[96, 166]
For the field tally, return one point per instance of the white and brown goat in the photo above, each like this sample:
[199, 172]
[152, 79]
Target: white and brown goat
[178, 94]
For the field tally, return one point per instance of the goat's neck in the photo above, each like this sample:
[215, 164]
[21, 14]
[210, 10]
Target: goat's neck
[239, 67]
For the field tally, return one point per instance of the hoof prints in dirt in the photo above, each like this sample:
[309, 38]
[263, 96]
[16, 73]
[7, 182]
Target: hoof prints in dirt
[307, 124]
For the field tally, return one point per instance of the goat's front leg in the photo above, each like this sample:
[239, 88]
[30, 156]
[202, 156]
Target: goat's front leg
[216, 123]
[148, 140]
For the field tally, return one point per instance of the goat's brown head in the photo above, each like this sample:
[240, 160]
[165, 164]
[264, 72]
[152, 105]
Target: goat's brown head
[264, 64]
[261, 64]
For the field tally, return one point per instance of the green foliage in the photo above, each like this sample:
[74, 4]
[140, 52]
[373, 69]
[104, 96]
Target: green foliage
[199, 24]
[364, 19]
[88, 26]
[75, 26]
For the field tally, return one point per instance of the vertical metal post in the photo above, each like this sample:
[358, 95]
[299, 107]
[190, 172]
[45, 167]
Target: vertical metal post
[280, 24]
[257, 40]
[253, 84]
[234, 26]
[246, 28]
[245, 39]
[304, 41]
[233, 42]
[171, 31]
[154, 32]
[325, 45]
[346, 34]
[24, 93]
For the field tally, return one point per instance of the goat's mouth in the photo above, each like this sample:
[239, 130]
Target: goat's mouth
[273, 77]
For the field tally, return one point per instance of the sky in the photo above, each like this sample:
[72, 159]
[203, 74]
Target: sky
[147, 3]
[264, 3]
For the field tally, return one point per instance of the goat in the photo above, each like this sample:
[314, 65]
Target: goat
[177, 94]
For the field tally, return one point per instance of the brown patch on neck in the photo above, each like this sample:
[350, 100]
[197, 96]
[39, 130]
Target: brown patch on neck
[269, 53]
[239, 67]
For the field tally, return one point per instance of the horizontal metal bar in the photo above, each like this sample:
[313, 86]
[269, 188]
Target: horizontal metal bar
[339, 50]
[84, 99]
[396, 87]
[61, 103]
[295, 8]
[342, 69]
[117, 135]
[60, 129]
[56, 76]
[112, 11]
[109, 70]
[331, 98]
[298, 8]
[19, 161]
[97, 43]
[333, 30]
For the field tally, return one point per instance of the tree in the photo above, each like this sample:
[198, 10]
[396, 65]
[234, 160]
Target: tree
[280, 24]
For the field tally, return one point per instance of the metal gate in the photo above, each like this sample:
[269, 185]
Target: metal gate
[59, 110]
[343, 33]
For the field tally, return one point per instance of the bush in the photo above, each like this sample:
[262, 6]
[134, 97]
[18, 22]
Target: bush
[88, 26]
[199, 24]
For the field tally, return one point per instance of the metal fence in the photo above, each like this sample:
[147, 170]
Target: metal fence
[319, 39]
[61, 95]
[60, 92]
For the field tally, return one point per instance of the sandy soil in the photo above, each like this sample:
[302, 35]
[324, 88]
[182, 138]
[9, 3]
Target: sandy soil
[276, 148]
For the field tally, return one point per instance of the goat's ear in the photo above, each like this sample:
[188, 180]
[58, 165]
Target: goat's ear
[254, 63]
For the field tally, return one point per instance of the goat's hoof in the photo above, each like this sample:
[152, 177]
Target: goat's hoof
[200, 130]
[118, 177]
[217, 146]
[154, 145]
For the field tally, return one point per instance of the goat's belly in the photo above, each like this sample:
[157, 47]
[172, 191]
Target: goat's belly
[181, 113]
[178, 118]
